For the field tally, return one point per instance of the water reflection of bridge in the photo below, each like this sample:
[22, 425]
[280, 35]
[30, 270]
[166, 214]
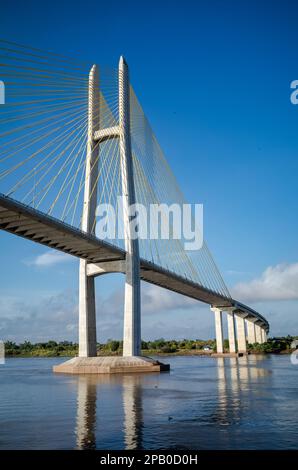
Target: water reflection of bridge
[87, 394]
[235, 378]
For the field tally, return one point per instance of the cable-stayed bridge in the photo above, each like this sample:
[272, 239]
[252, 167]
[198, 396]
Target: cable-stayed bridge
[73, 137]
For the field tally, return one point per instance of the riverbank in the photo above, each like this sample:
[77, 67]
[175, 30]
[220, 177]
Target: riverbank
[145, 352]
[158, 347]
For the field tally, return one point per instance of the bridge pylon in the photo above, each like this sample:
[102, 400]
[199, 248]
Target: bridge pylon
[87, 362]
[132, 300]
[87, 312]
[49, 163]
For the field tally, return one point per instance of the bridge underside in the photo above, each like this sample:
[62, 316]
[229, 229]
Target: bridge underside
[33, 225]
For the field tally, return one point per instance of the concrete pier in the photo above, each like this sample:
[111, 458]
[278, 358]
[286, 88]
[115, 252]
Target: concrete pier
[263, 335]
[259, 338]
[231, 331]
[251, 332]
[218, 329]
[241, 336]
[110, 365]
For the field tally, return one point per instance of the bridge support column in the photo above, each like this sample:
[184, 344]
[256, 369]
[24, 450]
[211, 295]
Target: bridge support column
[231, 332]
[263, 335]
[251, 332]
[241, 337]
[218, 330]
[87, 316]
[132, 302]
[258, 334]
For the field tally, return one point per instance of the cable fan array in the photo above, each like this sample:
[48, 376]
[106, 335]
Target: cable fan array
[43, 139]
[43, 133]
[156, 184]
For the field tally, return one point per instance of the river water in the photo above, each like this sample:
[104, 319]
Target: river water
[203, 403]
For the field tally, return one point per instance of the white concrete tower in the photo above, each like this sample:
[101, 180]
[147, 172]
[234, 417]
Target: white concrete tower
[132, 302]
[87, 316]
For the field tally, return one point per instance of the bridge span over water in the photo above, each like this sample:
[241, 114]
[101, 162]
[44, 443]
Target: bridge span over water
[71, 141]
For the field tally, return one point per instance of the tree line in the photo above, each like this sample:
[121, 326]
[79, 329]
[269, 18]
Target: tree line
[159, 346]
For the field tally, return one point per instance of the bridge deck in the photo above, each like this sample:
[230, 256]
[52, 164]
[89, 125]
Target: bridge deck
[33, 225]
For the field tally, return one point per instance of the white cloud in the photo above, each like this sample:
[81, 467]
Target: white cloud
[165, 314]
[50, 258]
[40, 319]
[52, 315]
[55, 315]
[278, 282]
[157, 300]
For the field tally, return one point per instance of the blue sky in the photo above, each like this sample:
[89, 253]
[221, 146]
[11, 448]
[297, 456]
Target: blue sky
[214, 80]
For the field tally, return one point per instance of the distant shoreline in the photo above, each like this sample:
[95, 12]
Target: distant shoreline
[159, 347]
[184, 353]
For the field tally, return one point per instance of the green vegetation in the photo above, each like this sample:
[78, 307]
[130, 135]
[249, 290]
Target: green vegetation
[49, 349]
[159, 346]
[111, 347]
[274, 345]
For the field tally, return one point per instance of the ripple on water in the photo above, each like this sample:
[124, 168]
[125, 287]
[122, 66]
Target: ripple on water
[203, 403]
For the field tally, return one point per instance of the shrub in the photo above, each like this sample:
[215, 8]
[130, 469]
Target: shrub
[167, 349]
[113, 345]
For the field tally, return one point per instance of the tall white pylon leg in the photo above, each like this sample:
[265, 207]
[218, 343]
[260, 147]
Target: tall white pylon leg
[87, 316]
[132, 302]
